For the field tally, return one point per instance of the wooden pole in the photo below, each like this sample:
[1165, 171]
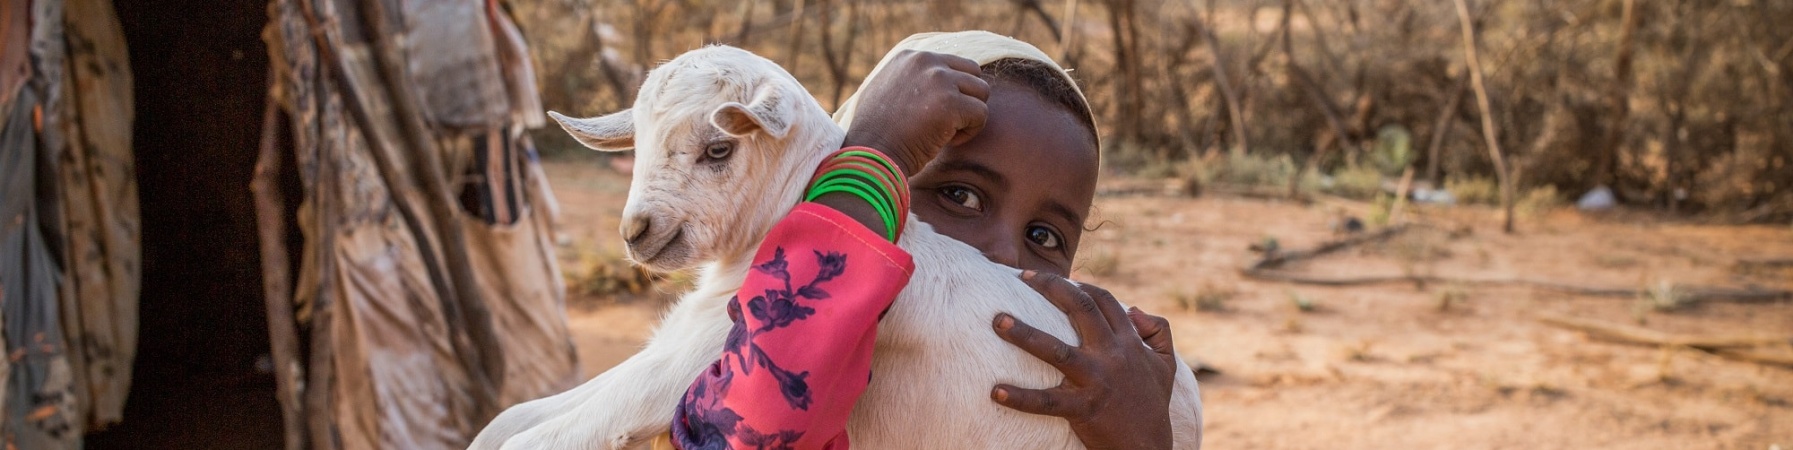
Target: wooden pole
[283, 334]
[1481, 98]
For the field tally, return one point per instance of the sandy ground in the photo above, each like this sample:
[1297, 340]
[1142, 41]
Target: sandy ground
[1386, 366]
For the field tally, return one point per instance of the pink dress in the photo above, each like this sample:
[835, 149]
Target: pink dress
[800, 352]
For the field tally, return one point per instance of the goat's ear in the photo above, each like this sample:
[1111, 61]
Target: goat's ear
[771, 112]
[612, 132]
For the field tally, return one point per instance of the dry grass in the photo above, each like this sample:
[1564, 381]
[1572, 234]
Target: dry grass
[604, 276]
[1360, 182]
[1474, 190]
[1537, 202]
[1209, 297]
[1302, 303]
[1451, 295]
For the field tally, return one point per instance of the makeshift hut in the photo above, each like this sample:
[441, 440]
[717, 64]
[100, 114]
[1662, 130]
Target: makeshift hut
[306, 223]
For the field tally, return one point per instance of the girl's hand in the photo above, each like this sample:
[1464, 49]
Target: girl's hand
[919, 103]
[1116, 392]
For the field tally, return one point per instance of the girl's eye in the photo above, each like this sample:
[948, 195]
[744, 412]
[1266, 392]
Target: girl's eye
[963, 197]
[1044, 237]
[719, 150]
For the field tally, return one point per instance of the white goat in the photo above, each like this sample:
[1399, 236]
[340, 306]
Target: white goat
[936, 357]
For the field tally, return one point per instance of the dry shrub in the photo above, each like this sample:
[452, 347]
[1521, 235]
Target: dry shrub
[1360, 182]
[1244, 170]
[1537, 202]
[607, 276]
[1302, 303]
[1209, 297]
[1664, 296]
[1452, 294]
[1476, 190]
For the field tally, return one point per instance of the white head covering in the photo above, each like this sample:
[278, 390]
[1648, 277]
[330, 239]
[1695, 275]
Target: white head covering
[981, 46]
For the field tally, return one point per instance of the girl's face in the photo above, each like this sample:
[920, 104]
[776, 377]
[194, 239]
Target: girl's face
[1021, 189]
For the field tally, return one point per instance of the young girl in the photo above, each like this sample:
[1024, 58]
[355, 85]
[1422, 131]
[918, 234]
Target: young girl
[999, 151]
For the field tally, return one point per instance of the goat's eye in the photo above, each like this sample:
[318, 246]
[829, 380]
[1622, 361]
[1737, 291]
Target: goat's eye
[719, 150]
[1044, 237]
[963, 197]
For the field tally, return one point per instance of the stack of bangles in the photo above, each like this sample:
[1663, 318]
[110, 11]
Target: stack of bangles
[868, 174]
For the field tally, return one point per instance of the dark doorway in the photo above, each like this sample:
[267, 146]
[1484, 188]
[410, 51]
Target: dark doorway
[200, 71]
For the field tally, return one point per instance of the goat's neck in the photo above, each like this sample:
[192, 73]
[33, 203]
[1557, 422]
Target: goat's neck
[723, 278]
[806, 155]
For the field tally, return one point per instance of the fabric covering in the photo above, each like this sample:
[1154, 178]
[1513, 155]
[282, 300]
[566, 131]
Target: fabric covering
[99, 210]
[427, 295]
[39, 409]
[69, 242]
[454, 62]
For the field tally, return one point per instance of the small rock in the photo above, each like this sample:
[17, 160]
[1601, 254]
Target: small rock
[1598, 199]
[1433, 196]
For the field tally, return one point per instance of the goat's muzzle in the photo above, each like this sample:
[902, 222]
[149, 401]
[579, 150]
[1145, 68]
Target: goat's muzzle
[657, 244]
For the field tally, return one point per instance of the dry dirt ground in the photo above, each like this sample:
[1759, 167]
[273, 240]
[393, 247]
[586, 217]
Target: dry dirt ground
[1389, 366]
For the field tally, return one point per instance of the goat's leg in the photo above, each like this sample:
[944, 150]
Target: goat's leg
[523, 416]
[635, 400]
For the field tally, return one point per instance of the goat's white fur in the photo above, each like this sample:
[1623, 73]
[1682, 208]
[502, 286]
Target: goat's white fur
[936, 357]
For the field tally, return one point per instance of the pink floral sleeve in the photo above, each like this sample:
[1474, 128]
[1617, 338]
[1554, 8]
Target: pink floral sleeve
[800, 351]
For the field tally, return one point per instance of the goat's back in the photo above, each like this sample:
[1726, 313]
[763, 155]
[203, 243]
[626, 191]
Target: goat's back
[937, 359]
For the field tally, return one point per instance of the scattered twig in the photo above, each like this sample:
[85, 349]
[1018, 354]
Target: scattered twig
[1765, 263]
[1273, 260]
[1757, 355]
[1644, 336]
[1687, 293]
[1265, 270]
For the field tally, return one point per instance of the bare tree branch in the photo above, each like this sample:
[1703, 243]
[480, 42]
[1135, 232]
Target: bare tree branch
[1481, 97]
[1235, 113]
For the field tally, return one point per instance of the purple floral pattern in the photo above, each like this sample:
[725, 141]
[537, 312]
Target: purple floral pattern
[705, 423]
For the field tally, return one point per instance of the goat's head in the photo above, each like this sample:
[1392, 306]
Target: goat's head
[723, 139]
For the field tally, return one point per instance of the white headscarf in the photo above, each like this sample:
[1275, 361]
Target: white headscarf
[981, 46]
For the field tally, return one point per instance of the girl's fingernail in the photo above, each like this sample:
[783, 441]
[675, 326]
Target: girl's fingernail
[1004, 321]
[999, 394]
[1027, 274]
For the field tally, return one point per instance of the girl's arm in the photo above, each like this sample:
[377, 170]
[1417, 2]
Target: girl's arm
[800, 352]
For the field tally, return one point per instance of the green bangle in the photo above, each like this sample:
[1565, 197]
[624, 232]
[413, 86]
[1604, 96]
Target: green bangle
[886, 210]
[865, 192]
[873, 181]
[869, 175]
